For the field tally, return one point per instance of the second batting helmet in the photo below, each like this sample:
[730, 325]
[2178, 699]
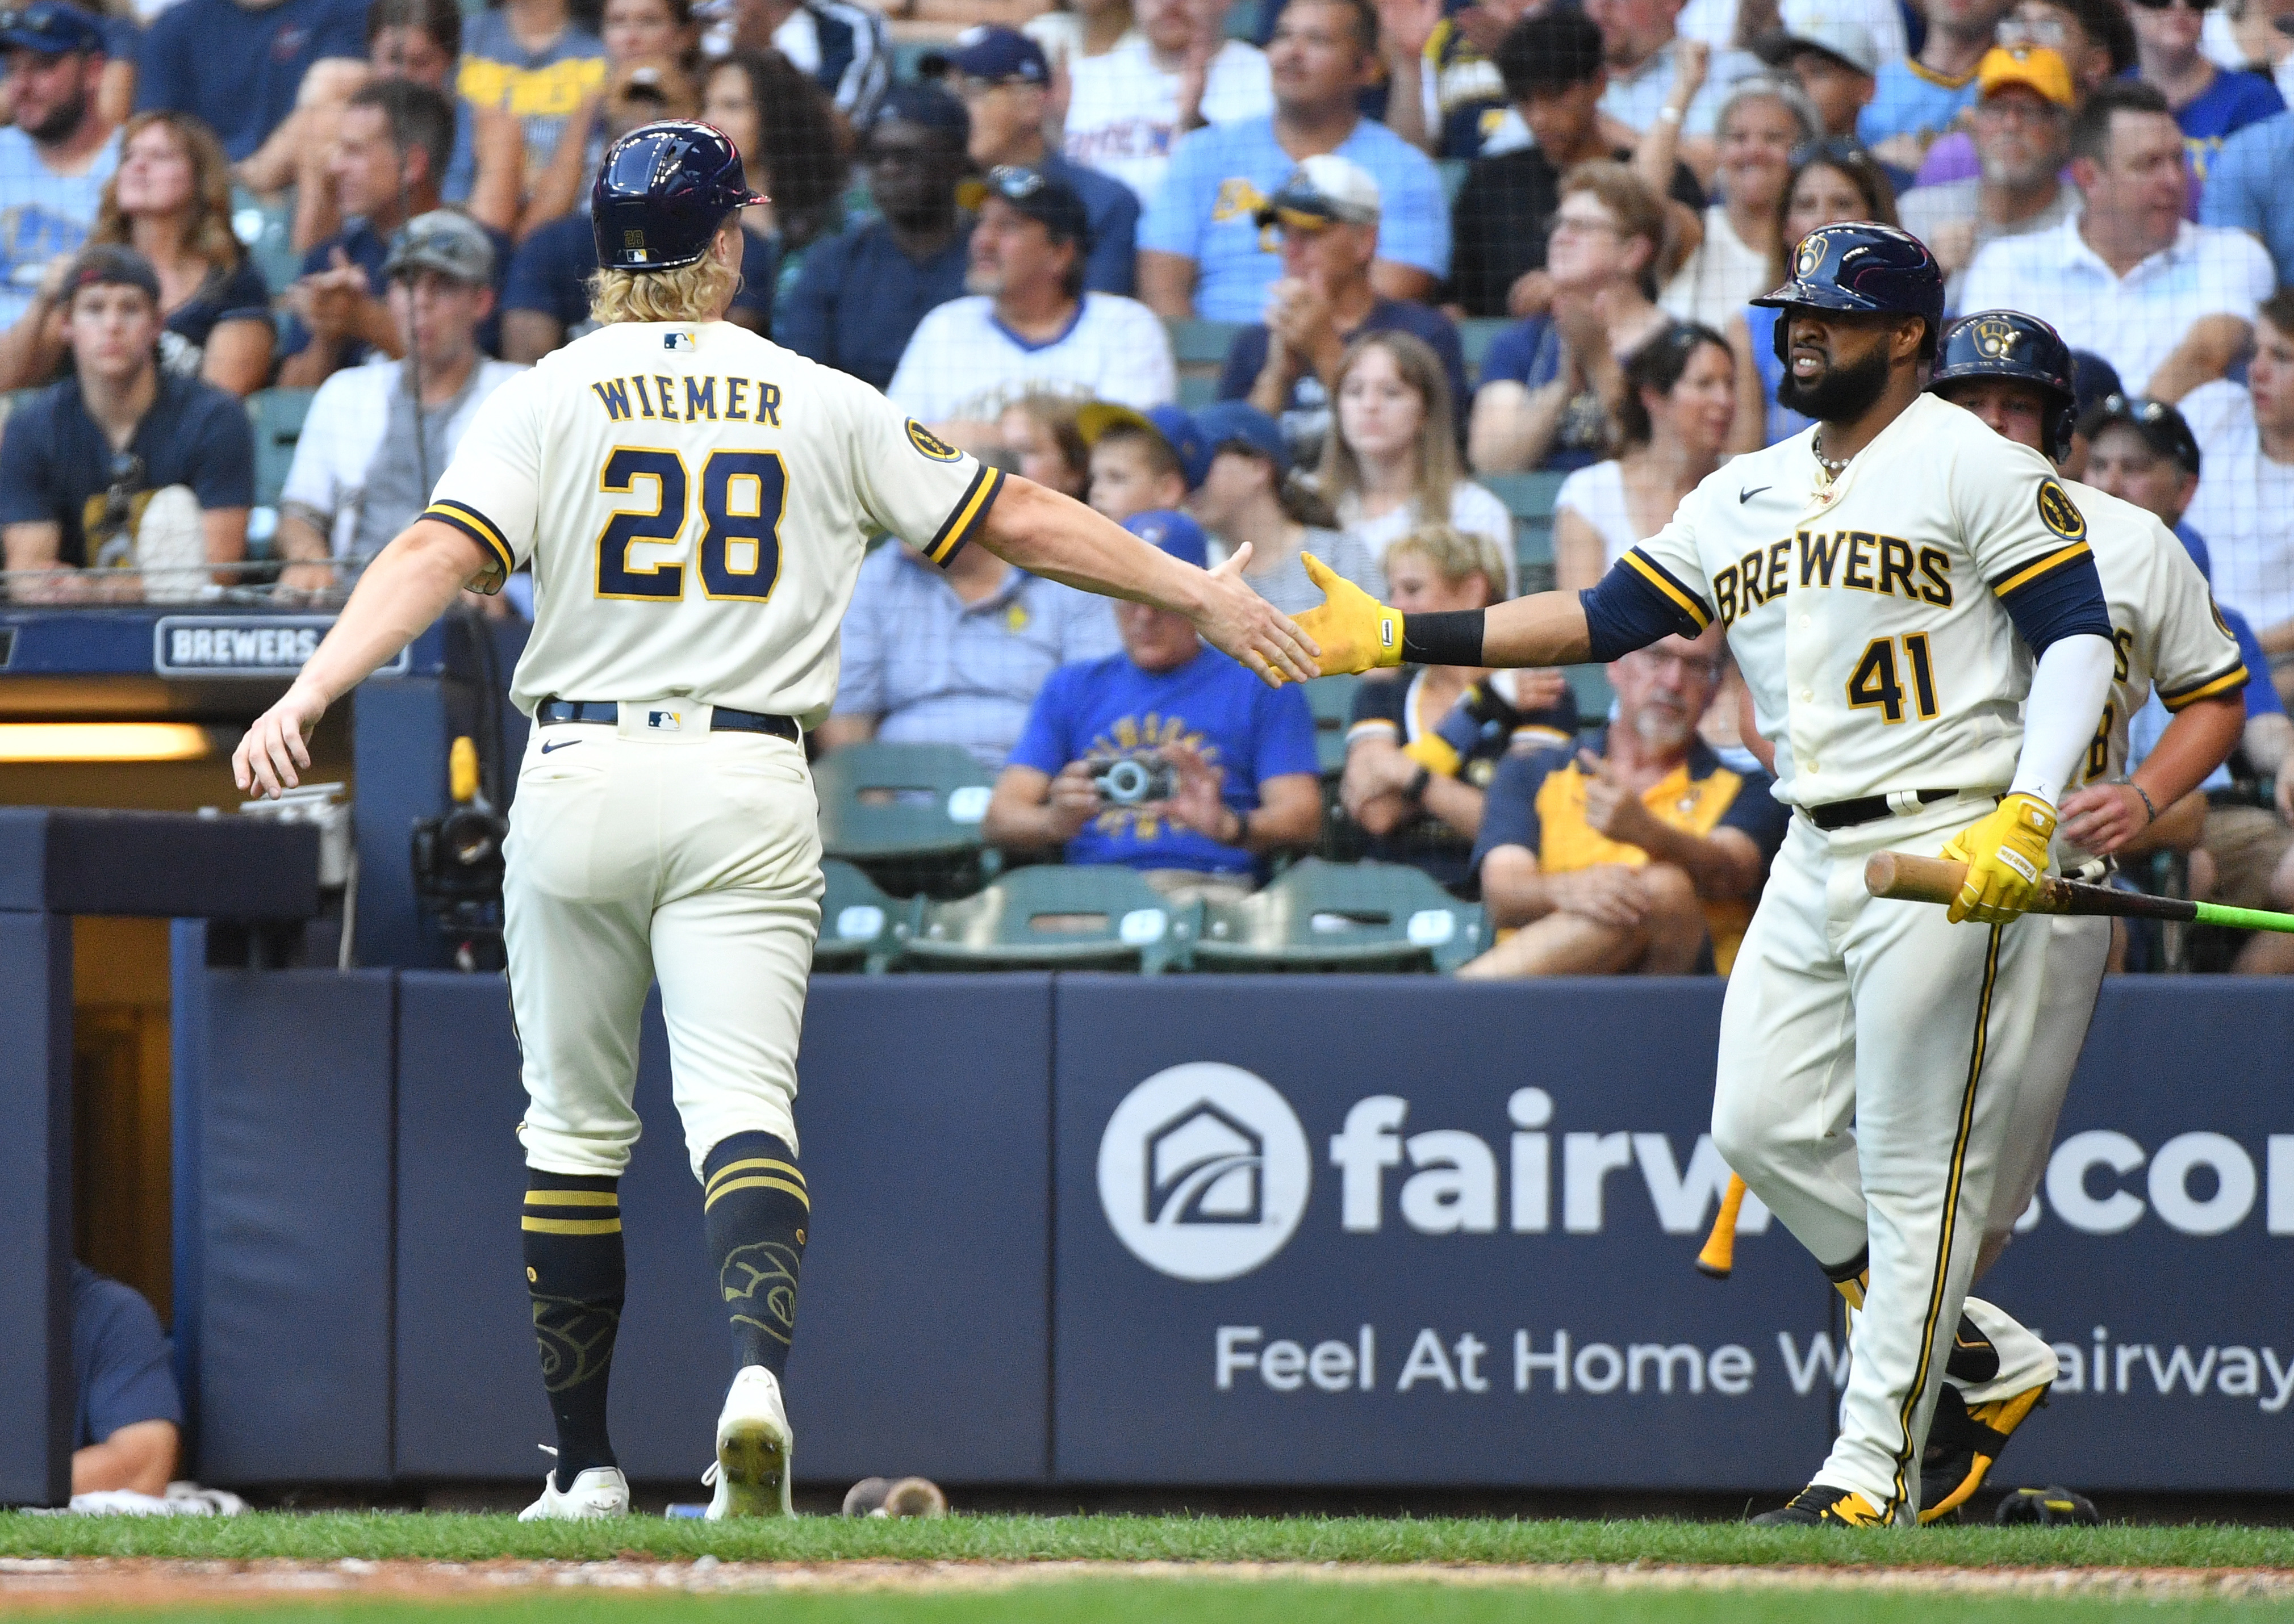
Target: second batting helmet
[663, 192]
[1862, 267]
[2022, 349]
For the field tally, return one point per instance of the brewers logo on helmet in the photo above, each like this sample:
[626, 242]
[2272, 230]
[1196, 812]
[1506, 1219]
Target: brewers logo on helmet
[1863, 267]
[2007, 344]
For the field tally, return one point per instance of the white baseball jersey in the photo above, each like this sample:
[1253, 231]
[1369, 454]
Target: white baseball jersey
[1123, 111]
[1866, 614]
[2164, 630]
[695, 501]
[965, 364]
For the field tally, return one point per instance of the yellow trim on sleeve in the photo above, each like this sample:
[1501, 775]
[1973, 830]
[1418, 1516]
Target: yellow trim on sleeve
[2235, 678]
[958, 528]
[1650, 571]
[2031, 572]
[476, 525]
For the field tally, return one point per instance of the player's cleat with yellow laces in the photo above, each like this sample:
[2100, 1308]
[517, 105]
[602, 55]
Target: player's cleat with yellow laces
[2052, 1506]
[1821, 1505]
[750, 1472]
[1964, 1443]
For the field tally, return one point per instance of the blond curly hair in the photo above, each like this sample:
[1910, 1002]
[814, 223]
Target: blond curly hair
[697, 292]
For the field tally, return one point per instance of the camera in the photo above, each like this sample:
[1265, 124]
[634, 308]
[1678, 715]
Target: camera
[1133, 781]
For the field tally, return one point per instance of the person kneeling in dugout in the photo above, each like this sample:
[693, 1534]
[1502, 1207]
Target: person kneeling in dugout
[1640, 855]
[1169, 756]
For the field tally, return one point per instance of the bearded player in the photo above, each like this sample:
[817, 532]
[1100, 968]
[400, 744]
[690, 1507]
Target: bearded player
[1914, 606]
[695, 502]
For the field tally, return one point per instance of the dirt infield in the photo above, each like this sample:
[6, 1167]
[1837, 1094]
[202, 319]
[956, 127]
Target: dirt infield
[59, 1584]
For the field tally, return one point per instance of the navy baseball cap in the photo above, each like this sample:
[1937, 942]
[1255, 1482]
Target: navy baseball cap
[1001, 56]
[2093, 379]
[1174, 425]
[932, 106]
[1174, 534]
[112, 263]
[49, 28]
[1040, 197]
[2164, 429]
[1227, 422]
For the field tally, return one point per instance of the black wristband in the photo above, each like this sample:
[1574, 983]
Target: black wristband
[1453, 637]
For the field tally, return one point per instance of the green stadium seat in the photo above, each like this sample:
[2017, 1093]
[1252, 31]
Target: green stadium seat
[1331, 699]
[908, 814]
[1591, 685]
[1196, 391]
[267, 232]
[1199, 342]
[1242, 20]
[1476, 334]
[276, 415]
[1453, 171]
[1529, 498]
[860, 927]
[1327, 916]
[1098, 916]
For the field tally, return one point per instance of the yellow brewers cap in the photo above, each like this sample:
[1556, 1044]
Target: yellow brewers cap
[2035, 68]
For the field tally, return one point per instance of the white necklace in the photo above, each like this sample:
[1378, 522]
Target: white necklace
[1833, 468]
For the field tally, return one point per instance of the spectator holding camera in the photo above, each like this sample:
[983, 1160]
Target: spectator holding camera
[1641, 854]
[122, 465]
[1424, 742]
[1226, 772]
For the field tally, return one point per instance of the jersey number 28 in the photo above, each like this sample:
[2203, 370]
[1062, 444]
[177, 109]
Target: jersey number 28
[742, 496]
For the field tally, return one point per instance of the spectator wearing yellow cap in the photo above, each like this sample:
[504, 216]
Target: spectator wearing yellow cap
[2022, 140]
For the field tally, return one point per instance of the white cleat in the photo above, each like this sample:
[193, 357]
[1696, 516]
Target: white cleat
[750, 1472]
[601, 1491]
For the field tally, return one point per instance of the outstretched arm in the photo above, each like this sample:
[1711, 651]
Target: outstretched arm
[406, 588]
[1057, 537]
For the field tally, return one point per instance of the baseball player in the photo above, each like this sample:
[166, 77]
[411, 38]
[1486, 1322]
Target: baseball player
[1914, 605]
[693, 502]
[2015, 373]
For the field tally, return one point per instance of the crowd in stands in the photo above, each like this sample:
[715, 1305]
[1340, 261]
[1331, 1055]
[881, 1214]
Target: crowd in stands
[1440, 246]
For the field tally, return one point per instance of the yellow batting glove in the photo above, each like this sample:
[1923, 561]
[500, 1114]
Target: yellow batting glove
[2006, 858]
[1355, 631]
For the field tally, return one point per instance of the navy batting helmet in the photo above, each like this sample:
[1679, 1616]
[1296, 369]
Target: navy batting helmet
[2023, 349]
[1863, 267]
[662, 193]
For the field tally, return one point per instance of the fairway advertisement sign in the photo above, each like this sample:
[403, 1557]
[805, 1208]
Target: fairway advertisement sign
[1428, 1233]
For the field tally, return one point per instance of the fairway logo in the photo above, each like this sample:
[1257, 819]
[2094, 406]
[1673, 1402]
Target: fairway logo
[1204, 1172]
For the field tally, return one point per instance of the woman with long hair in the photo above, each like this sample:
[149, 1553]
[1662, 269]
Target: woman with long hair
[1252, 495]
[1391, 463]
[1672, 430]
[1420, 744]
[169, 200]
[1766, 117]
[785, 128]
[1830, 182]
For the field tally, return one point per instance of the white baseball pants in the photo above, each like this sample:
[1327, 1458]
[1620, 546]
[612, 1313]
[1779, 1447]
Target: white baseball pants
[638, 854]
[2079, 950]
[1870, 1058]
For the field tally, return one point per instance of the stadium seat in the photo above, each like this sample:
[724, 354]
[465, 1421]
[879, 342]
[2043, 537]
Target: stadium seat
[1199, 348]
[1331, 699]
[1099, 917]
[1329, 917]
[1529, 498]
[267, 231]
[277, 417]
[1452, 171]
[860, 927]
[1476, 334]
[908, 814]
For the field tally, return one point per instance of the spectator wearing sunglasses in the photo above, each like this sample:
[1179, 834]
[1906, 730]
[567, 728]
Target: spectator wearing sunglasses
[2209, 103]
[2167, 304]
[2022, 140]
[1006, 82]
[1028, 326]
[860, 293]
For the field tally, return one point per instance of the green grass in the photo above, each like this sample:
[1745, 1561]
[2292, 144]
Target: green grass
[1291, 1602]
[467, 1538]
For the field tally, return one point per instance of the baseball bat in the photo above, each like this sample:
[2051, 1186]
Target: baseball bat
[1904, 878]
[1720, 1254]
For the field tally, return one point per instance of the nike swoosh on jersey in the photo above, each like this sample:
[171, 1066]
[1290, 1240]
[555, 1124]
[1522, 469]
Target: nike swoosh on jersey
[1743, 496]
[560, 744]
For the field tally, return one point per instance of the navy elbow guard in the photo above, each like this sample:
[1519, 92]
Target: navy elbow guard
[2060, 596]
[1635, 603]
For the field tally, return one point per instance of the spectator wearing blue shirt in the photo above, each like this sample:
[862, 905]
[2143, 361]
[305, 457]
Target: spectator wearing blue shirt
[1202, 251]
[1916, 99]
[2210, 104]
[391, 148]
[1005, 83]
[238, 67]
[1241, 755]
[2244, 188]
[1327, 215]
[59, 150]
[127, 1417]
[124, 463]
[858, 300]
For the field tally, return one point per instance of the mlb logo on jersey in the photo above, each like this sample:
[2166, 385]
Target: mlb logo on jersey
[685, 341]
[665, 721]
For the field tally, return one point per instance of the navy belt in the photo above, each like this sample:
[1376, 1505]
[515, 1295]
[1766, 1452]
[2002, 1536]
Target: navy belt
[1847, 814]
[607, 713]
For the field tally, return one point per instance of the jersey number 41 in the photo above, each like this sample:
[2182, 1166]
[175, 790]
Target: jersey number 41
[740, 554]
